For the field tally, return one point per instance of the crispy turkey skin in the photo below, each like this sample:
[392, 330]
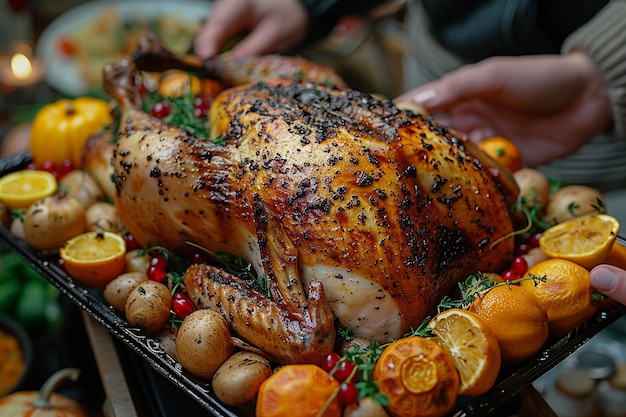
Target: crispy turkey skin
[386, 209]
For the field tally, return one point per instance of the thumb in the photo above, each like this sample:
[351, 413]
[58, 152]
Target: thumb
[610, 281]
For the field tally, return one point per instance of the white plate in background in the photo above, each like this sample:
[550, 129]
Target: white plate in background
[63, 73]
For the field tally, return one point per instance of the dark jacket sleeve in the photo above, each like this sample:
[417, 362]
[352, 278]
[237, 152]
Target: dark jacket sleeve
[325, 14]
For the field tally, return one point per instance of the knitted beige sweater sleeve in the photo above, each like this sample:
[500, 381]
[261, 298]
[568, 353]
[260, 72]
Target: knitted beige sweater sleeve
[604, 39]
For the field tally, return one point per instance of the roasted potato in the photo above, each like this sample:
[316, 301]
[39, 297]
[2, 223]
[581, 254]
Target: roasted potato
[148, 306]
[238, 379]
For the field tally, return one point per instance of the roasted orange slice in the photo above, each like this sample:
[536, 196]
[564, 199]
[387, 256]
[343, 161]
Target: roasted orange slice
[473, 347]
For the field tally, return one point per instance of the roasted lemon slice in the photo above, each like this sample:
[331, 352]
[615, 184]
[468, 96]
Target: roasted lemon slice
[585, 240]
[20, 189]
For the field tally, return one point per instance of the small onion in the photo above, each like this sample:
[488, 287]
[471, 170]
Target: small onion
[51, 221]
[137, 261]
[102, 216]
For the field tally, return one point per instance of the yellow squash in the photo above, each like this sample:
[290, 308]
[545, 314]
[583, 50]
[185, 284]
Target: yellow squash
[61, 129]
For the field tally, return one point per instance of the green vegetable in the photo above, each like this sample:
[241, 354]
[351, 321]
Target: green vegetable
[9, 292]
[27, 296]
[31, 305]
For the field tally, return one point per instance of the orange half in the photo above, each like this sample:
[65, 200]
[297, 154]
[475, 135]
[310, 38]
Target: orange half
[473, 347]
[94, 258]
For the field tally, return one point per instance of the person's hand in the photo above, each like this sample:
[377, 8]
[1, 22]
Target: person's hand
[273, 26]
[549, 105]
[610, 281]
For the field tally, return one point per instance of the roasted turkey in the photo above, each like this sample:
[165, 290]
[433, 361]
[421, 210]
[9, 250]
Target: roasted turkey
[359, 214]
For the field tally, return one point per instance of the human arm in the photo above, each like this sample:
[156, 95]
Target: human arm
[610, 281]
[550, 132]
[548, 104]
[273, 25]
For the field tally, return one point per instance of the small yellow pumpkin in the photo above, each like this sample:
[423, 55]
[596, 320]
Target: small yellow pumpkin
[44, 403]
[60, 129]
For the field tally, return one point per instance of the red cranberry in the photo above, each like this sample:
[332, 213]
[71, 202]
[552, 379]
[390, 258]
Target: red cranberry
[182, 305]
[519, 265]
[510, 275]
[348, 394]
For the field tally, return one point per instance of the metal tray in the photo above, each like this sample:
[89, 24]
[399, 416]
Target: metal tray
[510, 382]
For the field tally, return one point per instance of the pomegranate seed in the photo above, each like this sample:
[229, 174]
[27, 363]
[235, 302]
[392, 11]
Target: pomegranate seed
[341, 372]
[142, 90]
[201, 106]
[61, 264]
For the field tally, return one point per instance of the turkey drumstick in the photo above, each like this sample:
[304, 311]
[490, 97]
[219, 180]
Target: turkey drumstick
[152, 56]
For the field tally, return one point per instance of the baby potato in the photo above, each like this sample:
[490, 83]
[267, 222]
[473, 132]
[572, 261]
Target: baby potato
[534, 186]
[238, 379]
[117, 291]
[167, 340]
[573, 201]
[148, 306]
[203, 342]
[103, 216]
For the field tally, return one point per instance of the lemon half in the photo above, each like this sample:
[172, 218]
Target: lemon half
[585, 240]
[20, 189]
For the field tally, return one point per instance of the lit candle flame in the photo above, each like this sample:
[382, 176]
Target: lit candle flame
[21, 66]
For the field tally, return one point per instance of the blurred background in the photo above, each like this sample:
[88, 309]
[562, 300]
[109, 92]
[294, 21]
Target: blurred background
[366, 51]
